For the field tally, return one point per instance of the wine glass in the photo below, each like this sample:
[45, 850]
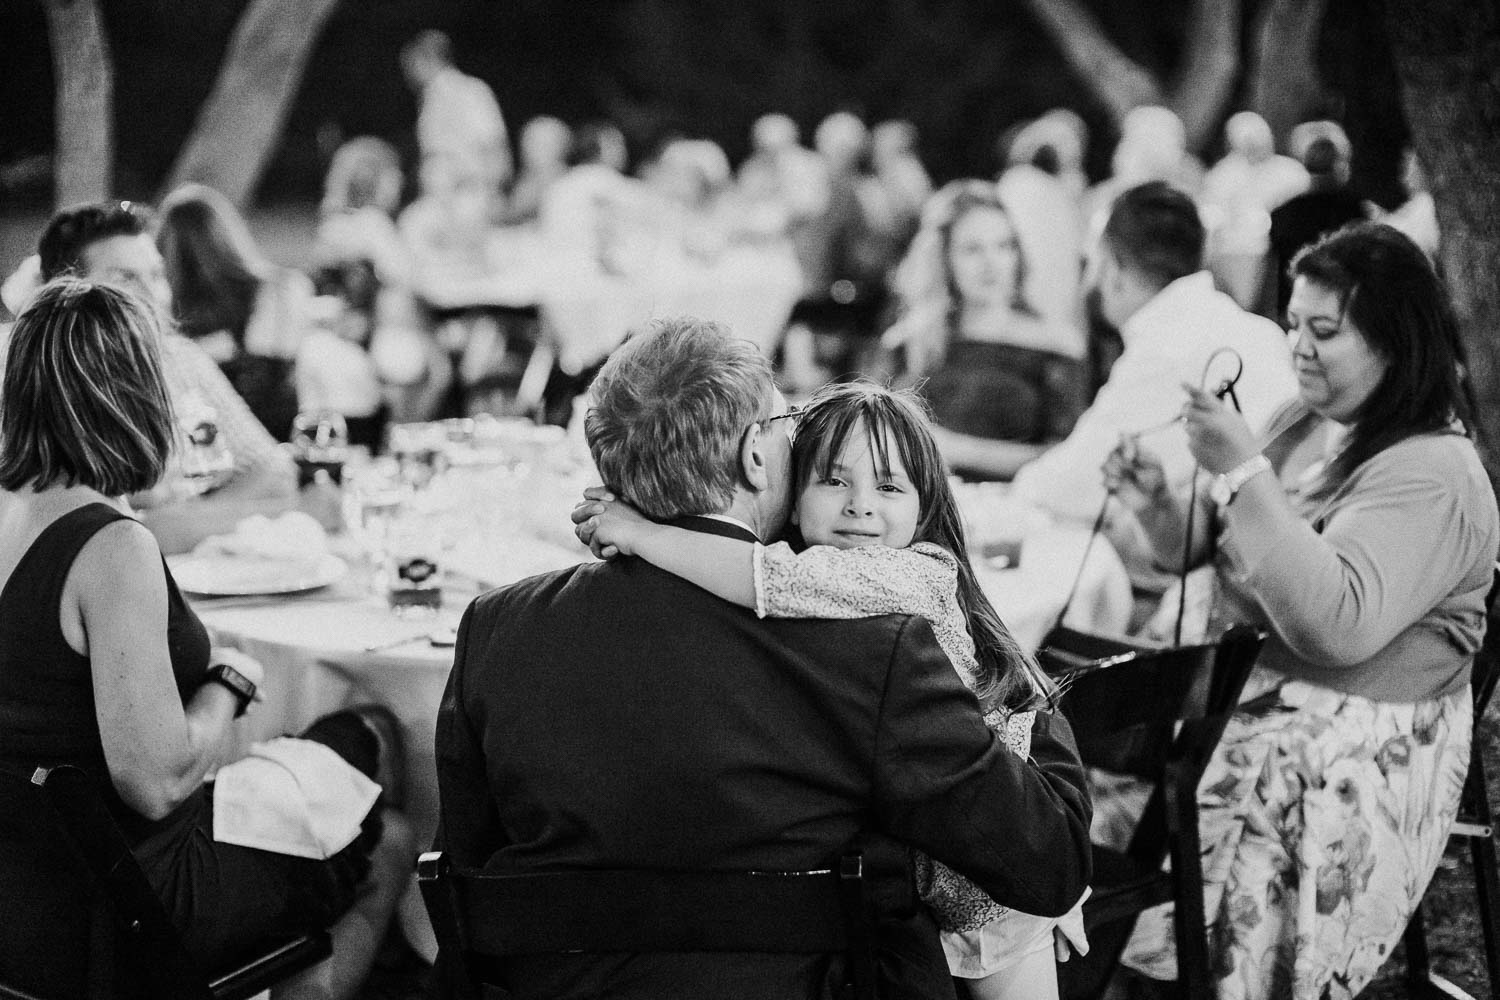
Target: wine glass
[320, 444]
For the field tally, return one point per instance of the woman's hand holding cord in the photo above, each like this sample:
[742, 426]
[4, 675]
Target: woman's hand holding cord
[1218, 437]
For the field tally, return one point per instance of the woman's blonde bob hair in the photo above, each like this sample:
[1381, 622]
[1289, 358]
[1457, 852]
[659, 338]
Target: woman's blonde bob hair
[84, 402]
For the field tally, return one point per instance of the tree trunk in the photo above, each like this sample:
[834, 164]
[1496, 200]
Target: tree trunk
[240, 123]
[1210, 68]
[1284, 86]
[85, 154]
[1114, 79]
[1448, 57]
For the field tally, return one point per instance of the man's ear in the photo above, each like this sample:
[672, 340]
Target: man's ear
[753, 463]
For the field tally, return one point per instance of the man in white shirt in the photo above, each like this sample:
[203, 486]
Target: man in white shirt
[1172, 321]
[459, 118]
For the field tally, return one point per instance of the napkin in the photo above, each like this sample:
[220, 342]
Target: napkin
[292, 537]
[291, 796]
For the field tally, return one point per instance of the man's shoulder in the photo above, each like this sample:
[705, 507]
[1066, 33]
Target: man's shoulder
[595, 591]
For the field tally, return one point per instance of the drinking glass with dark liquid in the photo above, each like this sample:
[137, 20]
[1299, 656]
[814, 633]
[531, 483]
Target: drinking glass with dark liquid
[320, 444]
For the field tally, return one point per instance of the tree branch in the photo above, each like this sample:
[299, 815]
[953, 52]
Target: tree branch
[241, 121]
[1210, 67]
[1113, 78]
[84, 102]
[1283, 79]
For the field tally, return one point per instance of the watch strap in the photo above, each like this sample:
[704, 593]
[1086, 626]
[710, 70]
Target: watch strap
[1241, 474]
[242, 687]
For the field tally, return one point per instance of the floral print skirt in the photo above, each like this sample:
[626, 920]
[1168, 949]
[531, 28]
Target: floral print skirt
[1323, 816]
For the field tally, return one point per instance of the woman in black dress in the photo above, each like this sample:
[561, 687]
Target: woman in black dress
[103, 665]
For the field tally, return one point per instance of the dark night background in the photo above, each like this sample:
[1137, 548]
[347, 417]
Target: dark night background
[962, 70]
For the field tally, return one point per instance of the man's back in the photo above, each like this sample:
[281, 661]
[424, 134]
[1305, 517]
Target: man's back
[614, 716]
[1170, 340]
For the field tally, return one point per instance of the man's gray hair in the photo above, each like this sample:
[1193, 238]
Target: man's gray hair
[668, 413]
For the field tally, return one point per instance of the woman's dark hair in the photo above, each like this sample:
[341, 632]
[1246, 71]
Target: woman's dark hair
[211, 261]
[1390, 293]
[83, 400]
[1007, 675]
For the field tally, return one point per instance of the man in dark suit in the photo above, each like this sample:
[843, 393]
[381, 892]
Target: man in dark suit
[615, 716]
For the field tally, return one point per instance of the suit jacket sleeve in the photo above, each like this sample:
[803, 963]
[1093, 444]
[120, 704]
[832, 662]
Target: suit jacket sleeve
[469, 827]
[1019, 828]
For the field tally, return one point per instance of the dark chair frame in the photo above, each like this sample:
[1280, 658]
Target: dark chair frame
[480, 917]
[72, 818]
[1156, 714]
[1475, 825]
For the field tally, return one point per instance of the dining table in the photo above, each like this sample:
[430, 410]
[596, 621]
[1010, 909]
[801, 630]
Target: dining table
[341, 644]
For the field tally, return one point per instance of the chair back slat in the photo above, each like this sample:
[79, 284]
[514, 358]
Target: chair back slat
[1135, 707]
[487, 916]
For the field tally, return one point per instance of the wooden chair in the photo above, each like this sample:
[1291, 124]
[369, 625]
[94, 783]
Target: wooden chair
[1155, 715]
[480, 919]
[81, 919]
[1475, 825]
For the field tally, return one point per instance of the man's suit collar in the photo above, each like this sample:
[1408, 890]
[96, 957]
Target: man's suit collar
[715, 526]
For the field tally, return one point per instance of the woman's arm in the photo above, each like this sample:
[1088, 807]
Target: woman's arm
[157, 750]
[1137, 480]
[984, 457]
[1391, 551]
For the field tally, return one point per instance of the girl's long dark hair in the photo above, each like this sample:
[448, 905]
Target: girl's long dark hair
[1007, 675]
[1389, 291]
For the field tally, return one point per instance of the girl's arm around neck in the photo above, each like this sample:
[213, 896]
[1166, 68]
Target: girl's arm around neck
[722, 566]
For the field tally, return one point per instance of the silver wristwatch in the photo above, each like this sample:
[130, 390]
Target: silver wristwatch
[1226, 486]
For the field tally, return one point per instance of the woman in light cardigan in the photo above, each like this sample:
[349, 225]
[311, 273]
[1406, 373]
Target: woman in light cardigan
[1362, 532]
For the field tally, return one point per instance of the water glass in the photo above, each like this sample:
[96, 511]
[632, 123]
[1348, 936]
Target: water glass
[414, 565]
[204, 461]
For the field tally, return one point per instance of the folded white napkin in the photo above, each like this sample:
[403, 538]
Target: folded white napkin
[291, 796]
[292, 537]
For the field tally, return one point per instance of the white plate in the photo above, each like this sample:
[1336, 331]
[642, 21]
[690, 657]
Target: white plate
[232, 576]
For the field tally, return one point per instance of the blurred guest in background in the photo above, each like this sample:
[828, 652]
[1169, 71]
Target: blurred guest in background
[844, 263]
[458, 118]
[785, 185]
[1055, 143]
[1153, 288]
[1004, 381]
[248, 314]
[545, 143]
[112, 241]
[1239, 194]
[1152, 147]
[1417, 215]
[1328, 203]
[360, 259]
[1361, 529]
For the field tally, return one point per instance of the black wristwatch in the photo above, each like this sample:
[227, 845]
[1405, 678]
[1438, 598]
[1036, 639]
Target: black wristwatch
[241, 686]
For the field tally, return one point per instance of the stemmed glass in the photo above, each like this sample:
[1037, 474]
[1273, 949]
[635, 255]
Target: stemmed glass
[204, 462]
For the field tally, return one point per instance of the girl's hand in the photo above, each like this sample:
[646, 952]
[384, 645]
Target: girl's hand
[607, 525]
[1135, 476]
[1218, 437]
